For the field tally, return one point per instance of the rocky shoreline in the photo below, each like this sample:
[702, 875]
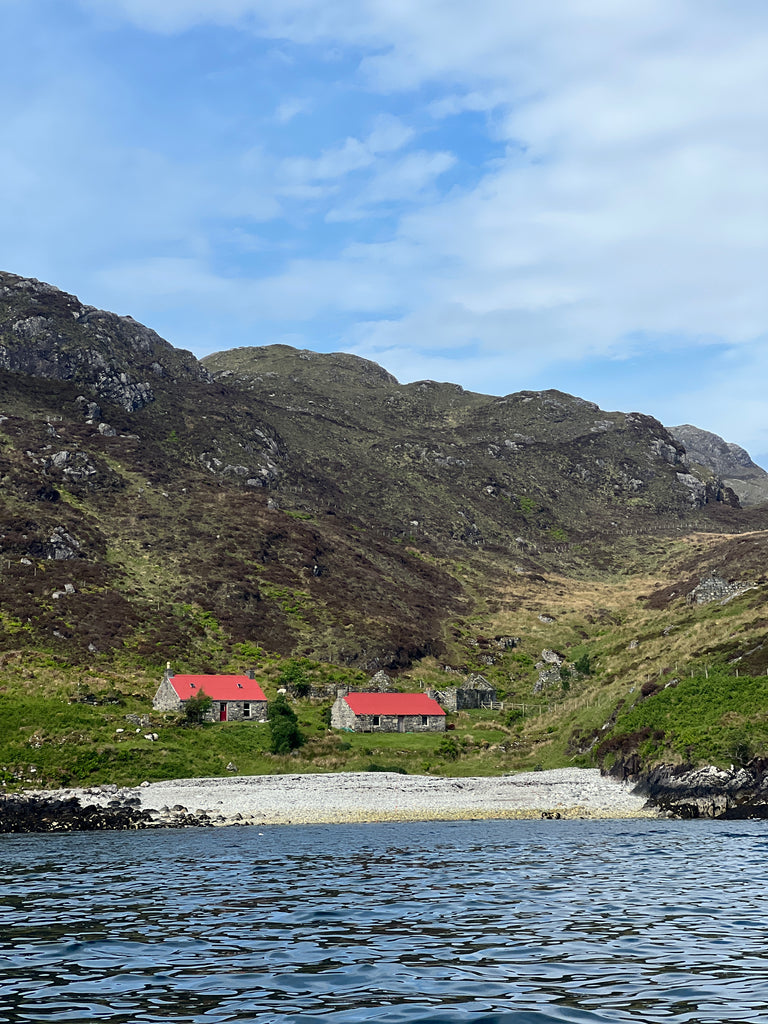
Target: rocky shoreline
[665, 791]
[322, 799]
[682, 791]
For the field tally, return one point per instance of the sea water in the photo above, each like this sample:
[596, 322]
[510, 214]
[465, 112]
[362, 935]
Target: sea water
[508, 921]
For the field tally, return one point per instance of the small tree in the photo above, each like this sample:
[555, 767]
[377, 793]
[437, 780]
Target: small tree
[197, 706]
[283, 727]
[293, 675]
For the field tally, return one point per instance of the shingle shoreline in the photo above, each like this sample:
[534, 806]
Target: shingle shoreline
[375, 796]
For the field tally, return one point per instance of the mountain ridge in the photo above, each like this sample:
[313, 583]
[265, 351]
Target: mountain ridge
[729, 461]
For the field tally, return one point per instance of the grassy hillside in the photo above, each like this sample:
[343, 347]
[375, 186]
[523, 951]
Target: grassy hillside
[659, 684]
[276, 505]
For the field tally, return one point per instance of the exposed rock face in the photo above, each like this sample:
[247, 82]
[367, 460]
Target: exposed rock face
[549, 670]
[62, 545]
[715, 588]
[709, 792]
[45, 332]
[728, 461]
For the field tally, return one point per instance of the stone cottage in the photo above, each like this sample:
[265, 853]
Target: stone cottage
[387, 712]
[235, 698]
[474, 692]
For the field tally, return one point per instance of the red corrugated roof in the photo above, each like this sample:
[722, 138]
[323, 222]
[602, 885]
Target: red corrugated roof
[218, 687]
[393, 704]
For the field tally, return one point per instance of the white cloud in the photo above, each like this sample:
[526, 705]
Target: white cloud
[398, 181]
[629, 204]
[293, 107]
[387, 135]
[638, 203]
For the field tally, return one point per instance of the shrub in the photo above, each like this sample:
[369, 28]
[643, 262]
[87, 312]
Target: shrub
[197, 707]
[294, 674]
[582, 665]
[742, 751]
[285, 735]
[449, 749]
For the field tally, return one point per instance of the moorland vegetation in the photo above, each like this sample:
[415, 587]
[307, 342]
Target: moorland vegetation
[309, 517]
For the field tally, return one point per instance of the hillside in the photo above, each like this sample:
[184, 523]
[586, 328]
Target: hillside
[270, 507]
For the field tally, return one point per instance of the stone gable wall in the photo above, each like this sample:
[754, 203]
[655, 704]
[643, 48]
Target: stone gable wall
[166, 698]
[342, 715]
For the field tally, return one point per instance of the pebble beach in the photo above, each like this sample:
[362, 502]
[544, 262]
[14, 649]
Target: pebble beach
[382, 796]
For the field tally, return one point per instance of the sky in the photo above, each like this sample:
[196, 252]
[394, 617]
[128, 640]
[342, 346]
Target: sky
[570, 194]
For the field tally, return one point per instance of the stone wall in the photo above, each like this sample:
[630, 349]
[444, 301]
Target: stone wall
[166, 698]
[460, 698]
[236, 711]
[715, 588]
[342, 715]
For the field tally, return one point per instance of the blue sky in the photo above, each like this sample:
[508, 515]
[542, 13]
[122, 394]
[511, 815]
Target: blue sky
[498, 194]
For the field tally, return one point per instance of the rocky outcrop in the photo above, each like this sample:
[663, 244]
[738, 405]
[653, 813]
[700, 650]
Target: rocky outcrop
[549, 670]
[48, 333]
[682, 791]
[99, 809]
[714, 588]
[728, 461]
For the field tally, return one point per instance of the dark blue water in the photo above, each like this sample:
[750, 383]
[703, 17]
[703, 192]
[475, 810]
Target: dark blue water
[514, 921]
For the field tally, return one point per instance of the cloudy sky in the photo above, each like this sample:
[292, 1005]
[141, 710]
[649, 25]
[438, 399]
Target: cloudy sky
[506, 195]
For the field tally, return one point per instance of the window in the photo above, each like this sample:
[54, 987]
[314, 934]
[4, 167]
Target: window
[377, 720]
[246, 709]
[424, 720]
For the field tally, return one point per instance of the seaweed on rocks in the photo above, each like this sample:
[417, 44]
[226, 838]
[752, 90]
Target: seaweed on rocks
[38, 813]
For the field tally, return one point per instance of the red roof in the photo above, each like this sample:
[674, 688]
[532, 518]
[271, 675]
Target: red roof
[393, 704]
[218, 687]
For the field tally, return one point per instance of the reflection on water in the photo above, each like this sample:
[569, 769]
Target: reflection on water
[513, 921]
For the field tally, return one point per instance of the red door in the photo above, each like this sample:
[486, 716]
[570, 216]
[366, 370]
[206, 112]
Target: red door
[223, 711]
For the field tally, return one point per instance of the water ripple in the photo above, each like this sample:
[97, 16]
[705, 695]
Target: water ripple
[445, 922]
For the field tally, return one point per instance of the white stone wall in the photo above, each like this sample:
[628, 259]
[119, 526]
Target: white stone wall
[166, 698]
[342, 715]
